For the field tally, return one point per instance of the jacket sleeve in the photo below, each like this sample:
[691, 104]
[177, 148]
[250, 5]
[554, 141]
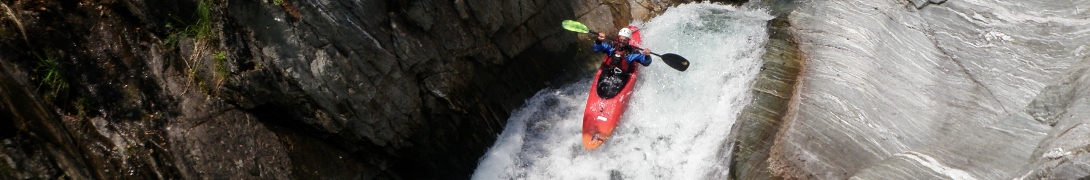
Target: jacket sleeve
[602, 47]
[644, 60]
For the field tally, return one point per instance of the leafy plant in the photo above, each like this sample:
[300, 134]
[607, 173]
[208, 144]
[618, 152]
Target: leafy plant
[172, 39]
[221, 66]
[201, 29]
[220, 56]
[51, 76]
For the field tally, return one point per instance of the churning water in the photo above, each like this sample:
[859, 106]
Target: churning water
[675, 122]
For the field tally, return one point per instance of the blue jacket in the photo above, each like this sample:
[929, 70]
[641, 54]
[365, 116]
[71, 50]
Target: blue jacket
[607, 48]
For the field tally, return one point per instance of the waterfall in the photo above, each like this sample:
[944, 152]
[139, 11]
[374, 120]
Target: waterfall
[675, 122]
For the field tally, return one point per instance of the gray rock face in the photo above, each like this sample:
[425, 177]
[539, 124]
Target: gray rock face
[1062, 154]
[957, 90]
[279, 89]
[232, 144]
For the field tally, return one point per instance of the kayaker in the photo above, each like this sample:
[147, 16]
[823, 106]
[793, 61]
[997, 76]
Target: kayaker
[620, 49]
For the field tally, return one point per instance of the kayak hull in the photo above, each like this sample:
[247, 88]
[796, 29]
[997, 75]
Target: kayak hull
[601, 115]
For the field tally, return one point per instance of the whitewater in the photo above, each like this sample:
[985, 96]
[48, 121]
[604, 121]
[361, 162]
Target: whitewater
[676, 121]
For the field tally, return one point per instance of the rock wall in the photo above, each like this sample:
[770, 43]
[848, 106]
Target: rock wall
[278, 89]
[1063, 153]
[745, 153]
[927, 90]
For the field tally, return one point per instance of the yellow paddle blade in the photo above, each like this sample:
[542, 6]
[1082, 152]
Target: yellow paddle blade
[575, 26]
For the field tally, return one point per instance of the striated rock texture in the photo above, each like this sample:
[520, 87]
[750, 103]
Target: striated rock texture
[277, 89]
[929, 90]
[748, 144]
[1063, 104]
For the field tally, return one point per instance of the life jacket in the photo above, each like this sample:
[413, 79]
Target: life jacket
[619, 58]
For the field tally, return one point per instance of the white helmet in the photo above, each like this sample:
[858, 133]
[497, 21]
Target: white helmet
[625, 32]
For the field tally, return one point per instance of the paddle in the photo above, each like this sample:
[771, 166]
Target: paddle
[673, 60]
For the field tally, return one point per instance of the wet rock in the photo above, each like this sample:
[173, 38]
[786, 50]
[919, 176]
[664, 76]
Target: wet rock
[21, 159]
[43, 155]
[232, 144]
[889, 92]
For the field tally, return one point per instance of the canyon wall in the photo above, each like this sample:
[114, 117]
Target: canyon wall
[278, 88]
[923, 90]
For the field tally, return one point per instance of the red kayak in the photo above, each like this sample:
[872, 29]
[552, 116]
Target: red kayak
[604, 109]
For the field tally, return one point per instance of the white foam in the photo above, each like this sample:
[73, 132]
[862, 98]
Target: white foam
[676, 121]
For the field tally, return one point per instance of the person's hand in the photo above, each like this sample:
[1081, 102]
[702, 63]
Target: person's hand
[601, 36]
[646, 51]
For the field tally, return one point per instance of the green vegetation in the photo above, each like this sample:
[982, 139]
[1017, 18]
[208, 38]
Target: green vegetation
[54, 87]
[197, 73]
[204, 40]
[220, 56]
[278, 2]
[172, 39]
[49, 70]
[221, 67]
[83, 106]
[201, 29]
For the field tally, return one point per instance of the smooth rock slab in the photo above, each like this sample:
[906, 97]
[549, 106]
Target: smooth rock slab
[889, 92]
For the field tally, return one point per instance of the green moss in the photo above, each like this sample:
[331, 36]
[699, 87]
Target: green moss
[278, 2]
[220, 66]
[220, 56]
